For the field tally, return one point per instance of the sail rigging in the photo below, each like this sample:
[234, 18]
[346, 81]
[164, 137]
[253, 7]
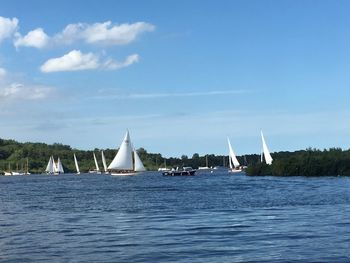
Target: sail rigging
[76, 164]
[232, 157]
[123, 159]
[96, 164]
[266, 152]
[104, 162]
[126, 160]
[138, 163]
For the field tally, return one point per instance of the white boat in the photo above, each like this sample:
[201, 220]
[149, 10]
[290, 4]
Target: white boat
[54, 168]
[235, 167]
[265, 151]
[76, 164]
[124, 163]
[163, 169]
[50, 166]
[97, 168]
[206, 167]
[104, 163]
[59, 167]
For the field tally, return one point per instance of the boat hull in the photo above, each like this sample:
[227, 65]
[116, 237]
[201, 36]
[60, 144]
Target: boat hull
[123, 174]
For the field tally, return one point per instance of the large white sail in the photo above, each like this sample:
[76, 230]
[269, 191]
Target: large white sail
[59, 166]
[96, 164]
[232, 155]
[267, 155]
[123, 159]
[138, 163]
[104, 161]
[76, 164]
[50, 166]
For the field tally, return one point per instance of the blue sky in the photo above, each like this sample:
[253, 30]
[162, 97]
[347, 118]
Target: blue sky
[180, 75]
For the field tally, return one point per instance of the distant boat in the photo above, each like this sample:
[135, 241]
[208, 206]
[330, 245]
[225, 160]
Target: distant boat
[124, 163]
[185, 171]
[8, 172]
[97, 168]
[104, 163]
[54, 168]
[235, 167]
[163, 169]
[76, 164]
[50, 166]
[265, 151]
[206, 167]
[59, 167]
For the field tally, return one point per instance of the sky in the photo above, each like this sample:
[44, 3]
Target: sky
[180, 75]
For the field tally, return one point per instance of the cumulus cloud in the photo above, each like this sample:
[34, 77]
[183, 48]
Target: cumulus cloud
[105, 33]
[76, 60]
[8, 27]
[19, 91]
[36, 38]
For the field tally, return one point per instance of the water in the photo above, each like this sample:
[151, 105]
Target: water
[151, 218]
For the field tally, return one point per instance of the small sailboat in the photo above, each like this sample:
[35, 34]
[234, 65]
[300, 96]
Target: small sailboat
[59, 167]
[104, 163]
[235, 167]
[265, 151]
[124, 163]
[163, 169]
[97, 168]
[76, 164]
[50, 166]
[206, 167]
[54, 168]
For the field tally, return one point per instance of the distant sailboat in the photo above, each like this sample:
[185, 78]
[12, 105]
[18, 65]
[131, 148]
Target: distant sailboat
[123, 163]
[76, 164]
[104, 163]
[235, 167]
[97, 168]
[59, 167]
[265, 152]
[50, 166]
[54, 168]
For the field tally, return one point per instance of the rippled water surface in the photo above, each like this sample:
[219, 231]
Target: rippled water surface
[151, 218]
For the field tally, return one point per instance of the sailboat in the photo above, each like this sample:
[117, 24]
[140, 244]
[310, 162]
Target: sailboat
[205, 168]
[124, 163]
[97, 168]
[265, 151]
[76, 164]
[104, 163]
[50, 166]
[54, 168]
[59, 167]
[235, 167]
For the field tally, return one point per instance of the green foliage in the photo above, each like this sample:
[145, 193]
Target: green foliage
[309, 162]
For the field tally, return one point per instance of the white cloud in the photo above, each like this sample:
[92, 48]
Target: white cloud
[73, 61]
[7, 27]
[2, 73]
[76, 60]
[35, 38]
[104, 33]
[17, 91]
[109, 34]
[111, 64]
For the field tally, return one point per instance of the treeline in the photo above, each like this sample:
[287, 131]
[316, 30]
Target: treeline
[309, 162]
[13, 156]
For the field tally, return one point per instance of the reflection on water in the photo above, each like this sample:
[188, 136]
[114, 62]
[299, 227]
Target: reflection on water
[151, 218]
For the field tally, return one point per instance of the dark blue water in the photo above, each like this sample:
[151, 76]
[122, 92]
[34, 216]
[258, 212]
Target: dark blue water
[151, 218]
